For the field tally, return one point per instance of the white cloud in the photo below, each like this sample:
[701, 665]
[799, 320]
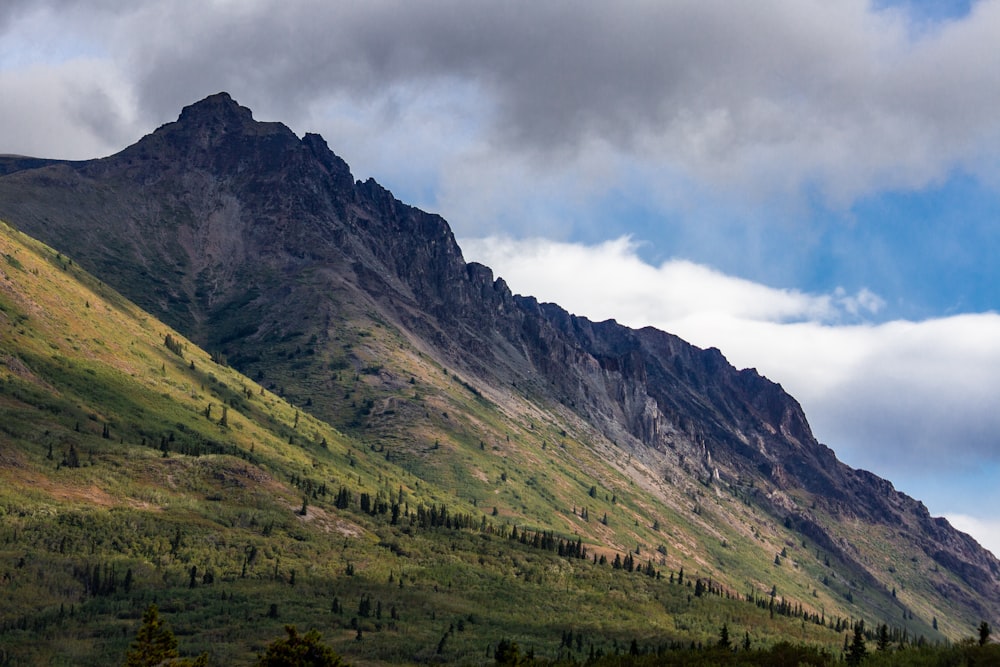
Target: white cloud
[673, 291]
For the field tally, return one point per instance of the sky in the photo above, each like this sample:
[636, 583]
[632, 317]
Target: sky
[813, 187]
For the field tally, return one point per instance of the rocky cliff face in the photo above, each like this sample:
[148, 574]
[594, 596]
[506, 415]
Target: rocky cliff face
[263, 247]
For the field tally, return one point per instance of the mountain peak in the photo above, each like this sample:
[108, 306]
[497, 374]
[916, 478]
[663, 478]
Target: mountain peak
[218, 116]
[217, 108]
[216, 133]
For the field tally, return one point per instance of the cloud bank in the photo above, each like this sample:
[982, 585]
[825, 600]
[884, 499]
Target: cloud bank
[760, 99]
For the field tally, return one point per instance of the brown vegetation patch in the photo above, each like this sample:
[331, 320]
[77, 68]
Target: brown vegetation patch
[327, 522]
[88, 495]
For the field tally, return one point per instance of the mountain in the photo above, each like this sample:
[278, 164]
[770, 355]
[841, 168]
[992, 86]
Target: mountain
[360, 310]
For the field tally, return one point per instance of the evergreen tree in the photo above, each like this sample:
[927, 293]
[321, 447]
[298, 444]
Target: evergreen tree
[173, 345]
[856, 652]
[72, 459]
[724, 637]
[883, 637]
[507, 653]
[155, 644]
[299, 651]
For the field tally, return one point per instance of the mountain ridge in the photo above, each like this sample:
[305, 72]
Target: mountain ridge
[255, 242]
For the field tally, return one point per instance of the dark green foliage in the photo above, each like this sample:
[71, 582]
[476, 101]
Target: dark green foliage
[72, 458]
[782, 654]
[724, 642]
[883, 637]
[299, 651]
[173, 345]
[856, 652]
[154, 643]
[507, 653]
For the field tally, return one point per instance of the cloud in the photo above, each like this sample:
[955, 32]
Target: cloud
[894, 397]
[760, 99]
[74, 109]
[611, 278]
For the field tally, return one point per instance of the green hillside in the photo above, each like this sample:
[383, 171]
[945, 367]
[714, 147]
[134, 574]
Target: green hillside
[137, 469]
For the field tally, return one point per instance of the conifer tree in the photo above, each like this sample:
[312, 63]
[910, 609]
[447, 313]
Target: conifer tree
[856, 652]
[155, 644]
[507, 653]
[724, 637]
[299, 649]
[883, 637]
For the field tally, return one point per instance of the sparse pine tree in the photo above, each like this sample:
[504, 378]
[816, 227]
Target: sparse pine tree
[72, 458]
[882, 643]
[724, 637]
[154, 644]
[173, 345]
[857, 652]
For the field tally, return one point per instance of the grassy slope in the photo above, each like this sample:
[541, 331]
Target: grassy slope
[171, 489]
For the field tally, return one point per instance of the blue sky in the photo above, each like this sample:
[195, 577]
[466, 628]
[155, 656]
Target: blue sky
[812, 187]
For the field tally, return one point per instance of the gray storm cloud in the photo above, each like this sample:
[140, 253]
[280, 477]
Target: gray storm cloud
[772, 94]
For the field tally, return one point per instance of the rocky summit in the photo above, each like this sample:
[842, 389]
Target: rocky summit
[264, 250]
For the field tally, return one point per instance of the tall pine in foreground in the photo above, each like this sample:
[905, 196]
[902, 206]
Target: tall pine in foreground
[155, 645]
[857, 651]
[300, 651]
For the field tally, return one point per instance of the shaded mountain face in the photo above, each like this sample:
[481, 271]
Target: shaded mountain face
[262, 248]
